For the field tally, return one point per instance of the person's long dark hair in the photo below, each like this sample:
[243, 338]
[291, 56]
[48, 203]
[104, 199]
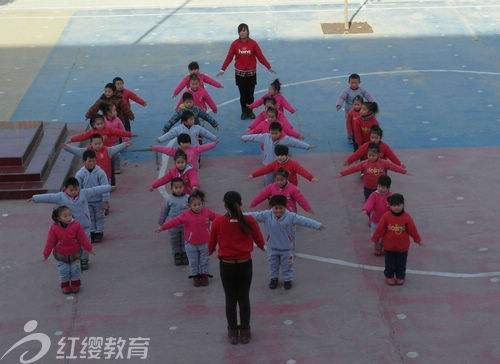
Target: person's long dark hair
[232, 200]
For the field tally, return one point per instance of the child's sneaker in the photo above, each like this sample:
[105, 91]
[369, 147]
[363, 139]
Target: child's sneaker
[377, 252]
[287, 284]
[75, 286]
[185, 260]
[400, 282]
[178, 259]
[98, 237]
[66, 289]
[92, 234]
[204, 280]
[196, 281]
[273, 284]
[84, 264]
[390, 281]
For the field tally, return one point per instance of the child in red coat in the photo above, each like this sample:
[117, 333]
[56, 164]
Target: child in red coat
[126, 95]
[351, 117]
[182, 170]
[66, 239]
[363, 124]
[395, 229]
[98, 126]
[200, 95]
[194, 69]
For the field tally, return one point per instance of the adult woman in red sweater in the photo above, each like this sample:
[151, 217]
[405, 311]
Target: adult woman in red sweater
[246, 51]
[235, 235]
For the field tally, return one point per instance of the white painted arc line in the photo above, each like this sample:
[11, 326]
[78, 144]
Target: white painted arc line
[410, 271]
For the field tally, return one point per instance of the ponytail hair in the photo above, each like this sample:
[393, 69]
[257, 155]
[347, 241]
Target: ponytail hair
[232, 200]
[276, 84]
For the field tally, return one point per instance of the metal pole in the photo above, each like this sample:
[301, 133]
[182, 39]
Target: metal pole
[346, 18]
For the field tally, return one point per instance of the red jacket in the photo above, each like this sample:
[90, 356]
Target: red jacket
[196, 226]
[350, 120]
[290, 165]
[121, 106]
[203, 79]
[376, 206]
[362, 128]
[246, 54]
[127, 94]
[106, 133]
[372, 171]
[233, 243]
[396, 232]
[201, 99]
[281, 103]
[66, 240]
[290, 191]
[385, 153]
[189, 175]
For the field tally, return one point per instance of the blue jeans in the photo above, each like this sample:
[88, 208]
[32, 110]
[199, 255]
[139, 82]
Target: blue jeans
[373, 226]
[280, 259]
[395, 263]
[177, 240]
[197, 256]
[96, 216]
[86, 254]
[68, 271]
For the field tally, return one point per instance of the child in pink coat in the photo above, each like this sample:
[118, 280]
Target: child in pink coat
[196, 220]
[112, 121]
[376, 206]
[272, 116]
[194, 69]
[282, 187]
[182, 170]
[200, 95]
[274, 91]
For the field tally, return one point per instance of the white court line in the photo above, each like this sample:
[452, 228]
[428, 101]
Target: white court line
[411, 271]
[419, 8]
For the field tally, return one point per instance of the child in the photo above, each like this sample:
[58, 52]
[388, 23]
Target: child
[283, 161]
[173, 206]
[347, 95]
[110, 97]
[352, 116]
[91, 175]
[192, 153]
[126, 95]
[282, 187]
[272, 116]
[196, 223]
[373, 167]
[376, 206]
[182, 170]
[270, 140]
[66, 239]
[98, 126]
[188, 104]
[395, 228]
[103, 153]
[77, 201]
[187, 127]
[376, 138]
[362, 125]
[269, 102]
[280, 244]
[194, 69]
[274, 91]
[200, 95]
[112, 121]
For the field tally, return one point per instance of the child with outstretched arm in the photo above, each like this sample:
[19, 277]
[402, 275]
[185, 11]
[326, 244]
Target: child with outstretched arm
[187, 127]
[194, 69]
[188, 105]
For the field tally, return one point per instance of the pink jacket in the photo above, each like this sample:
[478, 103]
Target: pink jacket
[66, 241]
[116, 123]
[192, 153]
[196, 226]
[189, 175]
[290, 191]
[280, 103]
[376, 206]
[201, 99]
[203, 79]
[287, 129]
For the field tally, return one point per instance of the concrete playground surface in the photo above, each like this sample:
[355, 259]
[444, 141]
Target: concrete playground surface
[433, 67]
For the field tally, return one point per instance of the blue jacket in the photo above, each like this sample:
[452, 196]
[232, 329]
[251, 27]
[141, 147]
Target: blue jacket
[268, 154]
[198, 113]
[193, 132]
[92, 179]
[173, 207]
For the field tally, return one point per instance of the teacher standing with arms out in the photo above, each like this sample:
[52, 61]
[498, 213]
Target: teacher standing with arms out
[235, 235]
[246, 51]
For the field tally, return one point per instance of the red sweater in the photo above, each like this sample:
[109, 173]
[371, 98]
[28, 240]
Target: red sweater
[290, 165]
[350, 120]
[103, 160]
[246, 54]
[396, 232]
[66, 240]
[106, 133]
[372, 171]
[385, 153]
[127, 94]
[362, 128]
[233, 243]
[121, 106]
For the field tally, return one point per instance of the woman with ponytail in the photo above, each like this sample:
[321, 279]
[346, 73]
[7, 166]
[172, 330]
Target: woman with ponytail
[235, 235]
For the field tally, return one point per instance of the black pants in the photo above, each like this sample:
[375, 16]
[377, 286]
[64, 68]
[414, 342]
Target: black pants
[126, 122]
[236, 279]
[367, 192]
[395, 263]
[246, 85]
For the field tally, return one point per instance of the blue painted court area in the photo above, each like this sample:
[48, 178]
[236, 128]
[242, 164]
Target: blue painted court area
[432, 66]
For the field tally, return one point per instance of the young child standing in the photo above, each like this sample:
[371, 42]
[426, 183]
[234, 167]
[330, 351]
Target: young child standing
[182, 170]
[362, 125]
[77, 201]
[376, 206]
[395, 228]
[65, 240]
[112, 121]
[282, 187]
[174, 205]
[194, 69]
[348, 94]
[187, 127]
[272, 116]
[126, 94]
[188, 105]
[201, 97]
[269, 102]
[352, 116]
[111, 97]
[91, 175]
[196, 223]
[274, 91]
[373, 167]
[270, 140]
[280, 227]
[283, 161]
